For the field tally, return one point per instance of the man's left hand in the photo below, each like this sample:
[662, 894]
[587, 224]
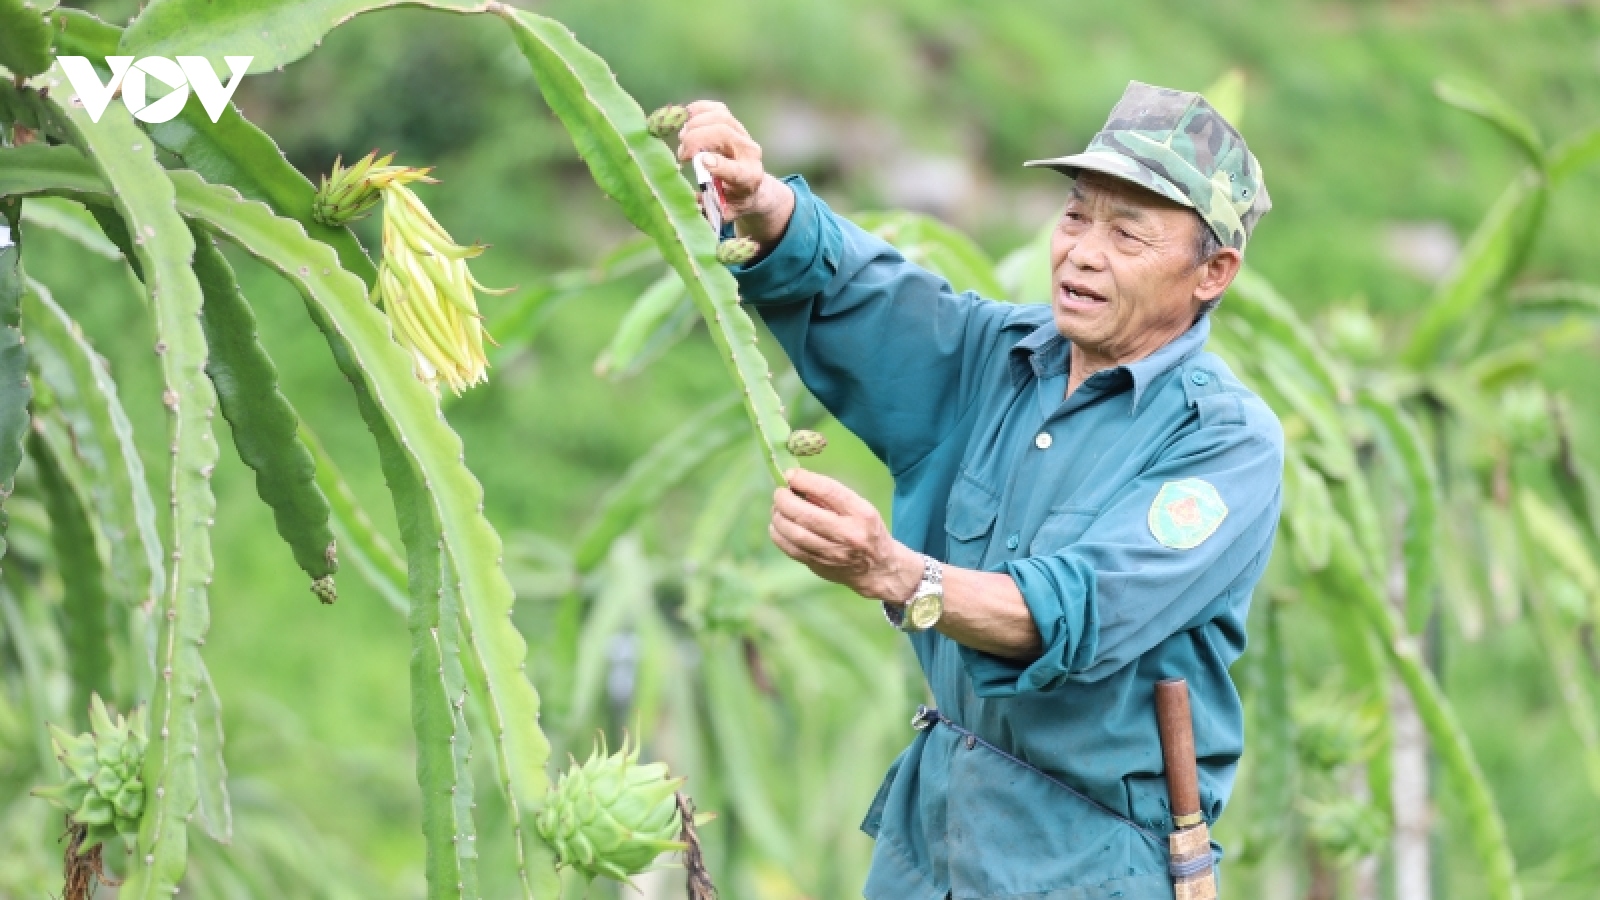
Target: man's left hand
[841, 537]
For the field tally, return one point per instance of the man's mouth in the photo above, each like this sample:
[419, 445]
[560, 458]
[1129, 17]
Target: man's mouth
[1077, 296]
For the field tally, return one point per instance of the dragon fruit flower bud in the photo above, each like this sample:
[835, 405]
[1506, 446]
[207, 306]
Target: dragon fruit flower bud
[806, 443]
[102, 790]
[325, 589]
[666, 121]
[612, 816]
[737, 251]
[349, 194]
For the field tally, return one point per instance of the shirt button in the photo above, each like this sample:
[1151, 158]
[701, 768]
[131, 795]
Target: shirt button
[1012, 542]
[1199, 378]
[1043, 441]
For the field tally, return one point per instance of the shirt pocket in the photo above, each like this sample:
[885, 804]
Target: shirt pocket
[968, 520]
[1063, 526]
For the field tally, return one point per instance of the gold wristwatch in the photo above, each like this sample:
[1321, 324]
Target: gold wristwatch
[926, 605]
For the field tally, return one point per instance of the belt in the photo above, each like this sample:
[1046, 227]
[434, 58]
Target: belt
[927, 717]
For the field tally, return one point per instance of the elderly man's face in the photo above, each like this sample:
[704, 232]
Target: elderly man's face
[1127, 277]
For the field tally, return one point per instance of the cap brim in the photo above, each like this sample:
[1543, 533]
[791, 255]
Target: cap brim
[1117, 166]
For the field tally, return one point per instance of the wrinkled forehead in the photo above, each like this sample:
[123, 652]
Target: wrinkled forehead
[1097, 189]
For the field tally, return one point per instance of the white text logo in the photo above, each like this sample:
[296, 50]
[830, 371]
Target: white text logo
[188, 72]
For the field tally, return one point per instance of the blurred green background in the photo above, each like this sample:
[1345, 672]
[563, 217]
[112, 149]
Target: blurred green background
[922, 104]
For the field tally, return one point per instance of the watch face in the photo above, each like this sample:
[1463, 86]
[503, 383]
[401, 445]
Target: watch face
[923, 612]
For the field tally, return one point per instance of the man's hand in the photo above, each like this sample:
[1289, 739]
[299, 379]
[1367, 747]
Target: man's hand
[760, 204]
[838, 535]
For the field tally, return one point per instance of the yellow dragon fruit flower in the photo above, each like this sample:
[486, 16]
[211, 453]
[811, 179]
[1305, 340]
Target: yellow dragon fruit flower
[423, 284]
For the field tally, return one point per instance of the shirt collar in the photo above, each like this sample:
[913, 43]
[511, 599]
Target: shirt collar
[1044, 352]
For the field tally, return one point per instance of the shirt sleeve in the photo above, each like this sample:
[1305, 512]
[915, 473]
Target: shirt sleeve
[888, 347]
[1118, 591]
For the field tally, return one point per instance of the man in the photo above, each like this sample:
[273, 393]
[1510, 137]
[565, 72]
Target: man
[1095, 494]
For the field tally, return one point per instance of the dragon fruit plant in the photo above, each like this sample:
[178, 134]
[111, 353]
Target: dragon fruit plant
[167, 198]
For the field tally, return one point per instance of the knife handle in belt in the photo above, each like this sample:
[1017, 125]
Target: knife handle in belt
[1190, 841]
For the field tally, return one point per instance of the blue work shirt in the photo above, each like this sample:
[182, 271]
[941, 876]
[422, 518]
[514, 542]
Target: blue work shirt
[1104, 509]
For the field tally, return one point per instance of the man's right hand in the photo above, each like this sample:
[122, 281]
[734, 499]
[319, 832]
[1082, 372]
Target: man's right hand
[759, 204]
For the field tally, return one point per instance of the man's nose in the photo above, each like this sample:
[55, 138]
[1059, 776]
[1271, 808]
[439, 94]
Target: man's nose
[1088, 251]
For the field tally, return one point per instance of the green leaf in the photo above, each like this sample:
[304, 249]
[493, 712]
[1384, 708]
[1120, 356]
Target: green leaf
[1226, 96]
[1413, 466]
[1573, 155]
[641, 174]
[27, 640]
[367, 550]
[719, 518]
[1271, 769]
[1492, 256]
[144, 197]
[1256, 301]
[214, 806]
[1462, 772]
[235, 152]
[15, 390]
[1562, 654]
[71, 221]
[1559, 296]
[526, 313]
[735, 713]
[436, 496]
[652, 475]
[1307, 510]
[86, 619]
[1024, 274]
[229, 151]
[1484, 103]
[937, 247]
[275, 32]
[265, 425]
[1560, 541]
[625, 595]
[1290, 380]
[660, 318]
[102, 435]
[80, 33]
[25, 37]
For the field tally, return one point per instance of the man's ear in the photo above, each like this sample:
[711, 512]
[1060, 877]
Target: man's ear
[1217, 274]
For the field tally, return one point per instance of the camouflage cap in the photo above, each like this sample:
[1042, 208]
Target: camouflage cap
[1175, 144]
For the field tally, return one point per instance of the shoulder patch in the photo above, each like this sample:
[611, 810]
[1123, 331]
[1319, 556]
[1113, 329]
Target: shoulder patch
[1185, 513]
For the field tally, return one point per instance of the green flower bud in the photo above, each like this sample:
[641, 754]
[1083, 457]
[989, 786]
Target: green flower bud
[806, 443]
[103, 791]
[666, 121]
[347, 195]
[737, 251]
[325, 589]
[612, 816]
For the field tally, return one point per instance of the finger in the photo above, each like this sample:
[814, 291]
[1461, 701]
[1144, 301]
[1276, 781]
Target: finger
[706, 111]
[784, 544]
[716, 137]
[828, 493]
[740, 178]
[816, 548]
[808, 515]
